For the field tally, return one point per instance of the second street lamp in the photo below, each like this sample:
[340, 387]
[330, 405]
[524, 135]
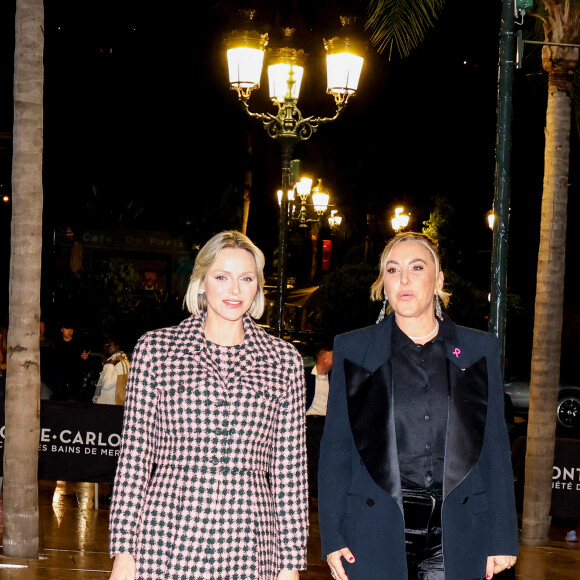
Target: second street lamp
[298, 210]
[245, 52]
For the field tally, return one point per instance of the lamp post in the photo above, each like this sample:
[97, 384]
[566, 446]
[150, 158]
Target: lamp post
[245, 53]
[299, 211]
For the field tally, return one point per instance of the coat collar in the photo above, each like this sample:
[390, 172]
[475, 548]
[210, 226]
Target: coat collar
[379, 343]
[192, 329]
[465, 420]
[190, 342]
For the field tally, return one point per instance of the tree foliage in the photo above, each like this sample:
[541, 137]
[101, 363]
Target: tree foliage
[401, 25]
[109, 300]
[439, 227]
[345, 302]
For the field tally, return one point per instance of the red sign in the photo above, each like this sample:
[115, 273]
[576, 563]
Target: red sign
[326, 247]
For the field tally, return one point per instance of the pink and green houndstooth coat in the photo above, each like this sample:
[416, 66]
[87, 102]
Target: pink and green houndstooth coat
[211, 481]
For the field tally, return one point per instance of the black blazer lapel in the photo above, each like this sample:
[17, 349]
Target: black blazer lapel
[370, 410]
[466, 421]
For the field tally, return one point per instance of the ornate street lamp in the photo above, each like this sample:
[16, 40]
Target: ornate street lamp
[305, 212]
[320, 202]
[344, 63]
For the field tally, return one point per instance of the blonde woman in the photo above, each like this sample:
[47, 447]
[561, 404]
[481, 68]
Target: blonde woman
[211, 482]
[415, 478]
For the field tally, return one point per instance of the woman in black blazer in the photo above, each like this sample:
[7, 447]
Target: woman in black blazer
[415, 477]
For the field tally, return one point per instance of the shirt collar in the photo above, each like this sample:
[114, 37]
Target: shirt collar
[116, 355]
[446, 333]
[317, 374]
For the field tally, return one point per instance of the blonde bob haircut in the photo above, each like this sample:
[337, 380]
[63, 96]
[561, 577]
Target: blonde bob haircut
[197, 303]
[378, 287]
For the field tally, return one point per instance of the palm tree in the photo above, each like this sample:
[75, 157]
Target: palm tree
[401, 24]
[562, 26]
[23, 377]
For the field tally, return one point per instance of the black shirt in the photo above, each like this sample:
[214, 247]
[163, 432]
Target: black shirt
[67, 364]
[421, 398]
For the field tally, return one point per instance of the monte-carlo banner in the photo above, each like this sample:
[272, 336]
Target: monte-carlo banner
[78, 441]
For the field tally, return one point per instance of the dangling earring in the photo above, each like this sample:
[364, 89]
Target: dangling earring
[438, 311]
[200, 291]
[383, 311]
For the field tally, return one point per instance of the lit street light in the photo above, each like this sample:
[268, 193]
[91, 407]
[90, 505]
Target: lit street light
[334, 220]
[298, 209]
[400, 221]
[245, 53]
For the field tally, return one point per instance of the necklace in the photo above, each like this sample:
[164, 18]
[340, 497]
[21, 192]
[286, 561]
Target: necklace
[427, 335]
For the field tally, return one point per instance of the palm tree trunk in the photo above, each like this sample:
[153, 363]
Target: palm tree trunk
[23, 373]
[545, 372]
[247, 200]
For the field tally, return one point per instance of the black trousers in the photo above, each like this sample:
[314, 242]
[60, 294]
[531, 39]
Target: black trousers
[422, 510]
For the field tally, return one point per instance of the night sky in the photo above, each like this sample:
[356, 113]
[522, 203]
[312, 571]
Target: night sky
[138, 110]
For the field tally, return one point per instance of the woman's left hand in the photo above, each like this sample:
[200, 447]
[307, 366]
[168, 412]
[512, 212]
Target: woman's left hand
[495, 564]
[288, 575]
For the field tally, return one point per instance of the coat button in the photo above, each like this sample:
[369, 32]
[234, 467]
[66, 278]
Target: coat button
[370, 502]
[465, 499]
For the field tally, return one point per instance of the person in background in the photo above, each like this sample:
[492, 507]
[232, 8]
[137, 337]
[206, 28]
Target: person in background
[46, 363]
[68, 366]
[212, 475]
[317, 387]
[415, 477]
[113, 378]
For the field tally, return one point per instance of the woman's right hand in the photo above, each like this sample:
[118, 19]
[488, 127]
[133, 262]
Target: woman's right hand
[124, 567]
[334, 561]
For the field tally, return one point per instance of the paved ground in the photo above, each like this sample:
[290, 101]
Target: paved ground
[74, 544]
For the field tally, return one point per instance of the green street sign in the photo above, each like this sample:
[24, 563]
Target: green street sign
[524, 5]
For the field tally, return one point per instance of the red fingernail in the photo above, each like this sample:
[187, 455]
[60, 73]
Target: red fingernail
[351, 559]
[488, 576]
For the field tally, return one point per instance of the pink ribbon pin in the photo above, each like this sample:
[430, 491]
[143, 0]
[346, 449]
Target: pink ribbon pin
[457, 352]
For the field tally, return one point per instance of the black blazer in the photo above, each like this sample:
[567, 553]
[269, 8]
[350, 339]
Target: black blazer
[360, 502]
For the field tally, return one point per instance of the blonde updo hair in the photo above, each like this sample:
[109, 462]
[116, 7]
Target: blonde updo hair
[196, 302]
[378, 287]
